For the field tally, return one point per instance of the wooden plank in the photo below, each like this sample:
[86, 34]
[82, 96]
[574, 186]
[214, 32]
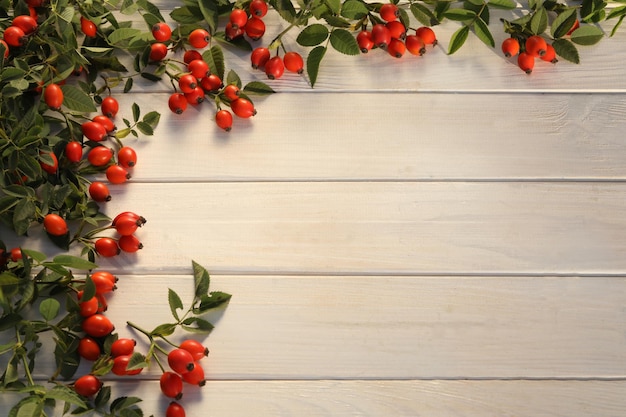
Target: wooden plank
[385, 398]
[381, 327]
[376, 228]
[389, 136]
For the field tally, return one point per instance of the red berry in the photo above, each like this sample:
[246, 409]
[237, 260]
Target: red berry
[232, 33]
[136, 217]
[99, 191]
[195, 376]
[14, 36]
[123, 346]
[127, 225]
[396, 29]
[396, 48]
[120, 366]
[158, 51]
[87, 385]
[108, 124]
[258, 8]
[198, 68]
[187, 83]
[427, 35]
[130, 243]
[106, 275]
[127, 157]
[259, 56]
[107, 247]
[88, 348]
[171, 385]
[274, 68]
[191, 55]
[161, 32]
[199, 38]
[224, 120]
[100, 156]
[197, 349]
[177, 103]
[53, 96]
[50, 168]
[364, 40]
[74, 151]
[196, 96]
[243, 108]
[526, 62]
[94, 131]
[25, 22]
[536, 46]
[255, 28]
[238, 18]
[180, 361]
[381, 36]
[97, 325]
[294, 62]
[510, 47]
[16, 254]
[389, 12]
[55, 225]
[109, 106]
[6, 48]
[88, 27]
[175, 410]
[103, 283]
[87, 307]
[575, 26]
[415, 45]
[550, 55]
[117, 174]
[212, 83]
[231, 91]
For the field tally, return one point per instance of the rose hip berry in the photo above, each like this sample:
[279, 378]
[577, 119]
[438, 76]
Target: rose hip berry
[187, 83]
[89, 349]
[255, 28]
[199, 38]
[117, 174]
[510, 47]
[397, 29]
[108, 124]
[25, 22]
[536, 46]
[74, 151]
[243, 108]
[381, 36]
[389, 12]
[94, 131]
[259, 57]
[550, 55]
[171, 385]
[14, 36]
[238, 18]
[161, 32]
[127, 157]
[88, 27]
[231, 91]
[198, 68]
[526, 62]
[175, 410]
[195, 376]
[53, 96]
[55, 225]
[177, 103]
[415, 45]
[212, 83]
[224, 120]
[87, 385]
[129, 243]
[364, 40]
[191, 55]
[158, 51]
[97, 325]
[50, 168]
[197, 349]
[123, 346]
[109, 107]
[294, 62]
[99, 192]
[274, 68]
[180, 360]
[100, 156]
[258, 8]
[396, 48]
[427, 35]
[107, 247]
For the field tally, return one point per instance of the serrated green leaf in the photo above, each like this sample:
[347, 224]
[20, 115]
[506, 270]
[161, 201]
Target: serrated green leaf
[65, 394]
[460, 15]
[215, 58]
[201, 279]
[213, 300]
[563, 22]
[258, 88]
[152, 118]
[136, 361]
[344, 42]
[482, 32]
[76, 262]
[285, 9]
[145, 128]
[49, 309]
[423, 14]
[136, 111]
[457, 39]
[503, 4]
[313, 35]
[175, 302]
[186, 15]
[336, 21]
[164, 329]
[75, 99]
[539, 21]
[587, 35]
[122, 35]
[233, 78]
[197, 325]
[354, 9]
[566, 50]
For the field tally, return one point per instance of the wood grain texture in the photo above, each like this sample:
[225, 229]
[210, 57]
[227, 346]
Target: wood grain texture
[386, 398]
[381, 327]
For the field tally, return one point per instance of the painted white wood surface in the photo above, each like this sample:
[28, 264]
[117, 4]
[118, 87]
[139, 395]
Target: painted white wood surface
[426, 236]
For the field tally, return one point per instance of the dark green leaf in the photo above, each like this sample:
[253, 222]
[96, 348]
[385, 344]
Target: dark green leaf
[71, 261]
[186, 14]
[354, 9]
[152, 118]
[136, 361]
[617, 25]
[75, 99]
[423, 14]
[258, 88]
[8, 278]
[482, 32]
[312, 35]
[539, 21]
[460, 15]
[212, 300]
[285, 9]
[165, 329]
[145, 128]
[215, 58]
[65, 394]
[566, 50]
[201, 279]
[587, 35]
[344, 42]
[123, 35]
[128, 85]
[313, 62]
[136, 111]
[233, 78]
[457, 39]
[197, 325]
[563, 22]
[49, 309]
[503, 4]
[175, 302]
[336, 21]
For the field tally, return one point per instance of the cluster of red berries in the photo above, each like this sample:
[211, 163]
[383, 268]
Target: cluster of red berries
[247, 22]
[393, 35]
[535, 47]
[125, 224]
[275, 66]
[22, 26]
[184, 362]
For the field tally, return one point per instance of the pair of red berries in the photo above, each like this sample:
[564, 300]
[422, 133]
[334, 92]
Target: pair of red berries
[275, 67]
[17, 33]
[125, 224]
[535, 47]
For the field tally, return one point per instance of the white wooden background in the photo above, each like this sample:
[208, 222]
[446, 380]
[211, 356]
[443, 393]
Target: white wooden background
[437, 235]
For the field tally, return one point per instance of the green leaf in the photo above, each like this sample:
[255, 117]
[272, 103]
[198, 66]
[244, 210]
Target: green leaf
[65, 394]
[209, 11]
[136, 361]
[423, 14]
[75, 99]
[344, 42]
[336, 21]
[123, 403]
[8, 278]
[213, 300]
[37, 256]
[587, 35]
[460, 15]
[503, 4]
[617, 25]
[312, 35]
[215, 58]
[258, 88]
[482, 32]
[457, 39]
[175, 302]
[197, 325]
[76, 262]
[89, 290]
[354, 9]
[201, 279]
[128, 85]
[566, 50]
[164, 329]
[136, 111]
[186, 14]
[123, 35]
[616, 12]
[49, 309]
[145, 128]
[563, 23]
[33, 407]
[285, 9]
[539, 21]
[233, 78]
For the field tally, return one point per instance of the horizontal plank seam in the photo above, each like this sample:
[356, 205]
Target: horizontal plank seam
[388, 274]
[538, 180]
[388, 379]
